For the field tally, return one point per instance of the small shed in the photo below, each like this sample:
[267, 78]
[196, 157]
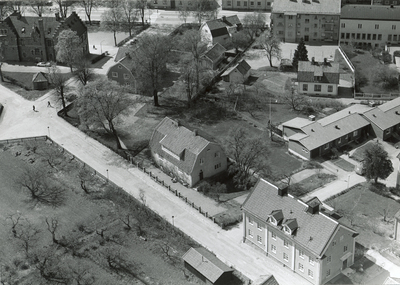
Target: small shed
[207, 267]
[40, 81]
[237, 73]
[397, 226]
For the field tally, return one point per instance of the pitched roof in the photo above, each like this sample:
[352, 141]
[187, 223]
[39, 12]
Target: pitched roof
[215, 52]
[308, 71]
[385, 115]
[206, 263]
[39, 77]
[128, 62]
[297, 123]
[219, 27]
[121, 53]
[370, 12]
[242, 66]
[314, 230]
[307, 7]
[24, 26]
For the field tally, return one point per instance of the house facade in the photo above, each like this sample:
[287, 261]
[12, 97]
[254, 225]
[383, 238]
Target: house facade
[185, 153]
[314, 21]
[252, 5]
[122, 72]
[370, 26]
[316, 78]
[237, 73]
[213, 57]
[179, 4]
[34, 38]
[371, 2]
[220, 30]
[300, 235]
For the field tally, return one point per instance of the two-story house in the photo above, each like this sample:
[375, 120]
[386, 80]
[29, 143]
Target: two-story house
[220, 30]
[370, 26]
[33, 38]
[213, 57]
[187, 154]
[316, 78]
[314, 21]
[122, 72]
[300, 235]
[253, 5]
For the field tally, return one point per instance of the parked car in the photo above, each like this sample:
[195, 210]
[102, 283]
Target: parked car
[43, 64]
[1, 108]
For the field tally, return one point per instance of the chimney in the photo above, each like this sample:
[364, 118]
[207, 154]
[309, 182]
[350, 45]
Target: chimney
[18, 15]
[195, 132]
[57, 16]
[337, 127]
[283, 191]
[397, 113]
[391, 6]
[313, 60]
[311, 118]
[313, 206]
[325, 61]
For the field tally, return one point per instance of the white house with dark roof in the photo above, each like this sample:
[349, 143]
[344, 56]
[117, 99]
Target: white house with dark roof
[213, 57]
[207, 267]
[237, 73]
[314, 21]
[370, 25]
[220, 30]
[187, 154]
[300, 235]
[315, 78]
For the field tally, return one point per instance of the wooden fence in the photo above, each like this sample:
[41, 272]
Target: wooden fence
[372, 96]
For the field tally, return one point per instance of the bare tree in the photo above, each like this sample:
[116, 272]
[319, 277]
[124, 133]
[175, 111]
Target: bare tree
[129, 14]
[63, 6]
[141, 6]
[111, 18]
[184, 13]
[88, 5]
[165, 249]
[85, 177]
[80, 273]
[126, 219]
[59, 82]
[48, 264]
[83, 71]
[253, 23]
[271, 45]
[28, 235]
[15, 220]
[40, 190]
[204, 10]
[292, 98]
[52, 226]
[51, 154]
[150, 58]
[38, 7]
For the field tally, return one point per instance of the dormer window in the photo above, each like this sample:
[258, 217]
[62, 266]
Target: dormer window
[273, 221]
[23, 30]
[287, 230]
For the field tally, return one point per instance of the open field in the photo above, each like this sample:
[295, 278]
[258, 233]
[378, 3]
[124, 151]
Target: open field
[90, 235]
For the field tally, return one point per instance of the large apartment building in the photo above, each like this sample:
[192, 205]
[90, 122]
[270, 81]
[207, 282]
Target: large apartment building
[300, 235]
[371, 2]
[370, 26]
[252, 5]
[316, 21]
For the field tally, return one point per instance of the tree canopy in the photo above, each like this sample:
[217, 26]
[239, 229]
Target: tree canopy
[300, 54]
[377, 163]
[253, 23]
[272, 45]
[69, 48]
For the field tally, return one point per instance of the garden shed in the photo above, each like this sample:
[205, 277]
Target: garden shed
[40, 81]
[207, 267]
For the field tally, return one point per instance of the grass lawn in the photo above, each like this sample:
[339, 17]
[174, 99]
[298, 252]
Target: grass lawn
[364, 210]
[310, 183]
[82, 220]
[343, 164]
[358, 154]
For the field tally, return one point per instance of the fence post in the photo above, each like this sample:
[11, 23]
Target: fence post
[206, 214]
[169, 188]
[176, 192]
[186, 199]
[193, 204]
[200, 209]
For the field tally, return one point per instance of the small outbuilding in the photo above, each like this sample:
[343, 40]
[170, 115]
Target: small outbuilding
[207, 267]
[40, 81]
[237, 73]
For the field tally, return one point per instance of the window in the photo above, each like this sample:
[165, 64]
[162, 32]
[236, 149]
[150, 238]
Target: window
[330, 88]
[389, 37]
[252, 3]
[250, 221]
[301, 267]
[287, 230]
[114, 74]
[126, 76]
[285, 243]
[317, 87]
[307, 29]
[328, 272]
[238, 3]
[290, 17]
[368, 36]
[376, 27]
[354, 134]
[360, 26]
[358, 36]
[259, 239]
[353, 35]
[301, 253]
[395, 38]
[229, 3]
[259, 226]
[305, 87]
[285, 256]
[310, 273]
[374, 37]
[363, 36]
[217, 154]
[342, 35]
[272, 220]
[329, 259]
[218, 165]
[307, 21]
[347, 35]
[273, 235]
[258, 3]
[316, 25]
[379, 37]
[345, 248]
[273, 248]
[250, 233]
[343, 25]
[393, 27]
[245, 4]
[311, 260]
[201, 161]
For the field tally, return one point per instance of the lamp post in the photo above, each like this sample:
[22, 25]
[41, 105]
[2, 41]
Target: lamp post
[48, 130]
[173, 221]
[348, 181]
[107, 173]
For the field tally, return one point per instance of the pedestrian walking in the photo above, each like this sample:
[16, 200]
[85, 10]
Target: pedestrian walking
[48, 104]
[34, 110]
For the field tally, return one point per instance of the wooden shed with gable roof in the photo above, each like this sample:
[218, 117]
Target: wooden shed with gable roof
[207, 267]
[40, 81]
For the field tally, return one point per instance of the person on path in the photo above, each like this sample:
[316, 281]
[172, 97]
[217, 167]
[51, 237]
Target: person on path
[34, 110]
[48, 104]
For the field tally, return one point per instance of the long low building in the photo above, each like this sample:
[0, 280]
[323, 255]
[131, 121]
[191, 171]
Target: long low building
[370, 26]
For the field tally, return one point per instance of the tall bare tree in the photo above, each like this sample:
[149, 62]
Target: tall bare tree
[184, 13]
[141, 6]
[52, 226]
[38, 7]
[63, 6]
[150, 57]
[89, 5]
[101, 103]
[28, 234]
[129, 12]
[272, 46]
[204, 10]
[253, 23]
[111, 18]
[59, 82]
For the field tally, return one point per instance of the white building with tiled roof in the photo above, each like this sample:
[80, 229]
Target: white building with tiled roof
[220, 30]
[314, 21]
[187, 154]
[300, 235]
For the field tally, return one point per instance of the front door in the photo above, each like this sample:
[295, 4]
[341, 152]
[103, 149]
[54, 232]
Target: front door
[172, 4]
[344, 264]
[201, 174]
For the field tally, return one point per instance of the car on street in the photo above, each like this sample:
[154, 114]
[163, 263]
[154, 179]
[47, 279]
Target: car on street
[1, 108]
[43, 64]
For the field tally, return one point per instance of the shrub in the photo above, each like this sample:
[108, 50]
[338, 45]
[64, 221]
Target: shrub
[204, 187]
[394, 191]
[312, 165]
[396, 54]
[386, 57]
[227, 221]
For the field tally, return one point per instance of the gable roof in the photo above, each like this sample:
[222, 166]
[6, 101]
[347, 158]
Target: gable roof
[39, 77]
[215, 52]
[219, 27]
[307, 7]
[206, 263]
[385, 115]
[314, 230]
[121, 53]
[308, 71]
[242, 66]
[128, 62]
[370, 12]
